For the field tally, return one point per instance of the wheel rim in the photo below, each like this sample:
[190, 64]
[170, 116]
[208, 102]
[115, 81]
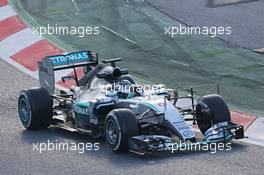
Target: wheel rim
[111, 132]
[23, 110]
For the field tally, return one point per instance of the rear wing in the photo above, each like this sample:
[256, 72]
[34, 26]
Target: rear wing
[50, 64]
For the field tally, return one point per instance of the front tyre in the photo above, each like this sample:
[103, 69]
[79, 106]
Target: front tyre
[35, 108]
[210, 110]
[120, 125]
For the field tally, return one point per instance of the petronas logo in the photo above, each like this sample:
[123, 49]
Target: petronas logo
[217, 3]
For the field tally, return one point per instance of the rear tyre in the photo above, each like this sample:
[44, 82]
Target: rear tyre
[210, 110]
[120, 125]
[35, 108]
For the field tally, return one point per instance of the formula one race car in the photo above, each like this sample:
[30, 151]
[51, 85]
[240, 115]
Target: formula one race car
[107, 102]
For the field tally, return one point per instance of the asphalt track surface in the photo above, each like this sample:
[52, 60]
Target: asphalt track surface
[18, 157]
[246, 19]
[134, 31]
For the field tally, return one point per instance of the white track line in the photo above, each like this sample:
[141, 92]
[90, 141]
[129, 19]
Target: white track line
[121, 36]
[180, 63]
[76, 6]
[6, 11]
[17, 42]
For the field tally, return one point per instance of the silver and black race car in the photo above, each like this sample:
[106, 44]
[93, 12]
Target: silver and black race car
[107, 102]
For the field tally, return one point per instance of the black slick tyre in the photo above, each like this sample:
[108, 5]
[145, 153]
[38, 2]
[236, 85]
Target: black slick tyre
[35, 108]
[120, 125]
[210, 110]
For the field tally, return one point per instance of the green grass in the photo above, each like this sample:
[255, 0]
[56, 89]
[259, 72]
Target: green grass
[212, 54]
[253, 67]
[52, 11]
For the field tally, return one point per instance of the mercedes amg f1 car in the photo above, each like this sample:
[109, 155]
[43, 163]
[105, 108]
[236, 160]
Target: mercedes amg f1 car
[130, 120]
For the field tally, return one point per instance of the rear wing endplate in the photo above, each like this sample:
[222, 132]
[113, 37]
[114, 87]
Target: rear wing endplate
[50, 64]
